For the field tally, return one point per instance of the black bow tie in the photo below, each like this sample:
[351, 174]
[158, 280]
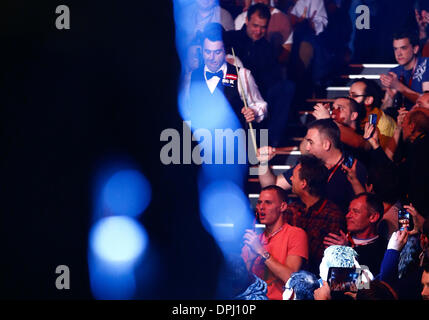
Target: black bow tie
[210, 75]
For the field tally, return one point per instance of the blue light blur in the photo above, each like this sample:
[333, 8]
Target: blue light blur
[127, 193]
[116, 246]
[111, 281]
[213, 113]
[118, 239]
[225, 212]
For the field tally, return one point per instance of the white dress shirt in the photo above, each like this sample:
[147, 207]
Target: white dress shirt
[320, 19]
[251, 91]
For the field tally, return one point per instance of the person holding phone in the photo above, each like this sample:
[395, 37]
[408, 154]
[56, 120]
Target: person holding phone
[368, 94]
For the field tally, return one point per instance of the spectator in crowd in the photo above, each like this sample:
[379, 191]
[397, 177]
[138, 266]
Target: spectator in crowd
[257, 55]
[312, 11]
[278, 252]
[347, 114]
[301, 286]
[365, 212]
[413, 169]
[199, 13]
[422, 101]
[410, 78]
[397, 259]
[278, 30]
[322, 141]
[422, 19]
[313, 212]
[368, 94]
[410, 160]
[309, 19]
[219, 78]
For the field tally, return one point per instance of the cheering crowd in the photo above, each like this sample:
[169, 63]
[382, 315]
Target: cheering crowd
[360, 185]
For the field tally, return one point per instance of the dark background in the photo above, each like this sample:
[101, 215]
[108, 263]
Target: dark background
[69, 100]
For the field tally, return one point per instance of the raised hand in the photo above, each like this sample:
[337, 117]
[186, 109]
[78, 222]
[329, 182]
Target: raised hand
[371, 134]
[417, 219]
[265, 154]
[321, 111]
[398, 240]
[335, 239]
[251, 240]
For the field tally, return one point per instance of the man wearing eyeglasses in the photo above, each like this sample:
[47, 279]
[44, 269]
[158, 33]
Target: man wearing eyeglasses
[368, 94]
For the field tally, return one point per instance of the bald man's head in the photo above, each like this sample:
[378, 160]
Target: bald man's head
[423, 101]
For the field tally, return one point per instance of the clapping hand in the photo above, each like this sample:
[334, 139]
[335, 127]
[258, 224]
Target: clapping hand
[335, 239]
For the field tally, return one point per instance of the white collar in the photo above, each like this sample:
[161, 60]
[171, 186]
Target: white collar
[363, 242]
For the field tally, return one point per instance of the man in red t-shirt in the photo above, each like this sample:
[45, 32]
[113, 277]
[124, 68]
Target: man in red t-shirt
[278, 252]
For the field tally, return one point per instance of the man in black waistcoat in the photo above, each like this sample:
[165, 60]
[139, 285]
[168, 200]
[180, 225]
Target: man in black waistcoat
[221, 79]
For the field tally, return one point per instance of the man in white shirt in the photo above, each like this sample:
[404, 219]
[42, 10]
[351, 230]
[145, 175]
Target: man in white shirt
[313, 10]
[199, 13]
[309, 19]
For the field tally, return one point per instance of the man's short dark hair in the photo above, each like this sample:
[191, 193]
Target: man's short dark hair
[280, 192]
[420, 120]
[261, 9]
[373, 203]
[212, 31]
[355, 107]
[372, 89]
[329, 129]
[411, 35]
[315, 173]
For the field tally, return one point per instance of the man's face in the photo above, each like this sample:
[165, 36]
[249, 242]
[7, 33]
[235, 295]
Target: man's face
[425, 283]
[404, 51]
[213, 54]
[423, 101]
[357, 92]
[295, 179]
[256, 27]
[269, 207]
[358, 217]
[314, 143]
[342, 112]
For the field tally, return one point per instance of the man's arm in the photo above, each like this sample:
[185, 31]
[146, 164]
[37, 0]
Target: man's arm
[349, 137]
[266, 176]
[282, 271]
[391, 81]
[252, 94]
